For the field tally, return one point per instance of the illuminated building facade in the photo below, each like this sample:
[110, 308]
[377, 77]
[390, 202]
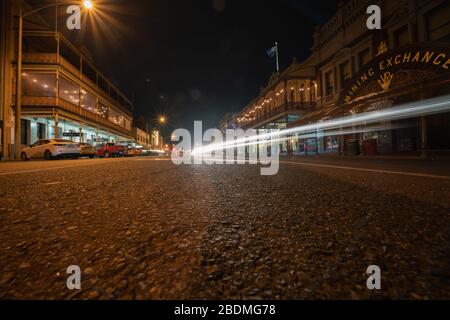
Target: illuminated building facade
[352, 70]
[63, 94]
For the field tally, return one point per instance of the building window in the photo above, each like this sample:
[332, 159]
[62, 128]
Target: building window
[363, 58]
[344, 73]
[41, 129]
[60, 132]
[38, 84]
[329, 83]
[88, 101]
[401, 37]
[24, 128]
[102, 110]
[119, 119]
[437, 23]
[69, 91]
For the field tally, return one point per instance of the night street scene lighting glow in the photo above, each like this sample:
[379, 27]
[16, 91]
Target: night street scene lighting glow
[225, 159]
[87, 4]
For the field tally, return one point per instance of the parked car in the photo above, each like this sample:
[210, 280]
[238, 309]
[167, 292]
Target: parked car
[134, 151]
[51, 148]
[111, 150]
[86, 150]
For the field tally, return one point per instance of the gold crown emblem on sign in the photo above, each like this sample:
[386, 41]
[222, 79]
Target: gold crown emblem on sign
[382, 48]
[385, 80]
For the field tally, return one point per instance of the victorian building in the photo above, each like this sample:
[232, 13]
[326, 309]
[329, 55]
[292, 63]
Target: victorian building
[64, 95]
[352, 70]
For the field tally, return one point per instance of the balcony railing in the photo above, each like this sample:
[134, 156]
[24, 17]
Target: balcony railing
[74, 109]
[281, 110]
[53, 59]
[40, 58]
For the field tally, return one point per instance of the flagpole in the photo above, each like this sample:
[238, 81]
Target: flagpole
[278, 66]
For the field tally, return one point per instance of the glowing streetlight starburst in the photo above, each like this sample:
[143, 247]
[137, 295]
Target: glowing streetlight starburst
[87, 4]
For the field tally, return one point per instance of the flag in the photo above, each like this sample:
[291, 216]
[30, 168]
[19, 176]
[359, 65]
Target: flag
[272, 51]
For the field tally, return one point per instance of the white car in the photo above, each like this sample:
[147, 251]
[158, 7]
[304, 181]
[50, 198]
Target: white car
[51, 148]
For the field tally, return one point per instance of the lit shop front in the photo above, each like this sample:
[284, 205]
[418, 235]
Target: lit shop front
[41, 127]
[395, 77]
[400, 76]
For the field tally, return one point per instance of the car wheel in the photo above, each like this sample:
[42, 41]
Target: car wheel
[106, 154]
[48, 155]
[91, 156]
[23, 156]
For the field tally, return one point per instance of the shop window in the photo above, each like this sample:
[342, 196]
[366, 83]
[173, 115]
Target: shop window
[24, 131]
[69, 91]
[344, 73]
[401, 37]
[60, 132]
[329, 83]
[88, 101]
[41, 129]
[38, 84]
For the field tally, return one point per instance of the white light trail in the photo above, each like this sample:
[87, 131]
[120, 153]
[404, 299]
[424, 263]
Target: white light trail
[407, 110]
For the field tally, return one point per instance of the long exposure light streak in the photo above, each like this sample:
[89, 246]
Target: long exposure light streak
[404, 111]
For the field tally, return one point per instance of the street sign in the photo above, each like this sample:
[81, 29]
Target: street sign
[71, 134]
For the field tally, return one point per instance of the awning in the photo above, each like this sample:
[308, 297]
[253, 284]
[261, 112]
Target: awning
[315, 116]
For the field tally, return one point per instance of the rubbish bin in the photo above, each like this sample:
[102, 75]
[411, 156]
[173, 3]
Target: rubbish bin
[369, 147]
[351, 147]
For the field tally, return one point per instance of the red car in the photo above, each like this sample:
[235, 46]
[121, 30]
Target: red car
[111, 150]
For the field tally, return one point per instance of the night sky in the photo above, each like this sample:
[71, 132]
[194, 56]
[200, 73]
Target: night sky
[197, 59]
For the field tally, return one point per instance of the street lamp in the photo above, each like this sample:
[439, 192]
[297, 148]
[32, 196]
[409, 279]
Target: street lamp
[17, 134]
[87, 4]
[162, 120]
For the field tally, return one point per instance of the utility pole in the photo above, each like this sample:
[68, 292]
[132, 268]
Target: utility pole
[17, 121]
[148, 137]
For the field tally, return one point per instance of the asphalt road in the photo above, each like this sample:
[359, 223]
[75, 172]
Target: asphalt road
[144, 228]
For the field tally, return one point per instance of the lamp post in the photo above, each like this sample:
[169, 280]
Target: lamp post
[17, 116]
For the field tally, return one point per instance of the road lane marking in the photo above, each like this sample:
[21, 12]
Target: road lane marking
[405, 173]
[52, 183]
[55, 168]
[91, 162]
[152, 159]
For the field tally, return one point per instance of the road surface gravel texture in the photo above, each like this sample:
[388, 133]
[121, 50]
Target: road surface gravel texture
[144, 228]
